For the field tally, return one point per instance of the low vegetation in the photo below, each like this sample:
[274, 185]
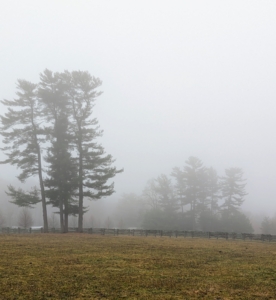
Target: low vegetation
[82, 266]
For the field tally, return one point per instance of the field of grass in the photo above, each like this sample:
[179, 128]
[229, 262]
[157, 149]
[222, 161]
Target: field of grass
[82, 266]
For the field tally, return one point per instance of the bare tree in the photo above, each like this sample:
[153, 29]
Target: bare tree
[108, 223]
[150, 195]
[121, 224]
[129, 211]
[25, 219]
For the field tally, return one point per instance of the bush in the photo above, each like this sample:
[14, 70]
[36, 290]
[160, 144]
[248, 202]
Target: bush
[208, 221]
[237, 222]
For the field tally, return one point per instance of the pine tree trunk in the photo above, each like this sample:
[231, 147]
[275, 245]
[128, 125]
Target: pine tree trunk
[42, 191]
[66, 216]
[80, 220]
[66, 222]
[61, 219]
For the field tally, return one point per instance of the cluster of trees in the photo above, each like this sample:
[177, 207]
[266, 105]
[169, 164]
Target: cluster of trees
[268, 225]
[191, 198]
[196, 198]
[49, 132]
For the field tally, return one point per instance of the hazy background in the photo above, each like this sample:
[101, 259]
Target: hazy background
[180, 78]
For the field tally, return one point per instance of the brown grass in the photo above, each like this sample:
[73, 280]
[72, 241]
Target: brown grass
[82, 266]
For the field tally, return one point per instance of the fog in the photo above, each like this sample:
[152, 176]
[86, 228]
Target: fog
[180, 78]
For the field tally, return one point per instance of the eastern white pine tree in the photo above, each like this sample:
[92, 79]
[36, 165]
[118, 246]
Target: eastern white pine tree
[62, 177]
[180, 187]
[233, 191]
[165, 193]
[213, 187]
[193, 179]
[94, 166]
[23, 136]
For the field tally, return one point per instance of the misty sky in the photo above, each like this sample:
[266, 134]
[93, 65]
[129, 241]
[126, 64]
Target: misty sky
[180, 78]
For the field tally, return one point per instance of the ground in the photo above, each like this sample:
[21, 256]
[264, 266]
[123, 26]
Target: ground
[83, 266]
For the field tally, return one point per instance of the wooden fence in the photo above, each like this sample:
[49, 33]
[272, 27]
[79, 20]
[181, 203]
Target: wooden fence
[156, 233]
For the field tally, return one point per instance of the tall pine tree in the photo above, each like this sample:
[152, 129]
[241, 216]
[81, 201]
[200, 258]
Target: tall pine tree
[24, 136]
[233, 191]
[193, 173]
[62, 180]
[94, 166]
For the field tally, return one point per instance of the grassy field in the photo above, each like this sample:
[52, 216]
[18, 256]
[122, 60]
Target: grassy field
[82, 266]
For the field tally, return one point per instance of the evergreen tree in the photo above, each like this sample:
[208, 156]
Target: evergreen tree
[235, 222]
[62, 180]
[94, 166]
[62, 170]
[180, 187]
[233, 191]
[213, 186]
[166, 197]
[203, 191]
[267, 226]
[208, 214]
[77, 165]
[23, 136]
[193, 173]
[150, 195]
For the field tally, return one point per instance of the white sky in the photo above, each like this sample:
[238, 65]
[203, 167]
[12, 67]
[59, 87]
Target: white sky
[180, 78]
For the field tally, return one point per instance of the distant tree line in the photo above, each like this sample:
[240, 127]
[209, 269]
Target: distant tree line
[191, 198]
[49, 132]
[196, 198]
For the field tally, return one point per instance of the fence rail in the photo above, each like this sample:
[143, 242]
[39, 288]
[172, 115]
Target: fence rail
[143, 232]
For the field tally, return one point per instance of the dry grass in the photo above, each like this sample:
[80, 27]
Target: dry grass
[82, 266]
